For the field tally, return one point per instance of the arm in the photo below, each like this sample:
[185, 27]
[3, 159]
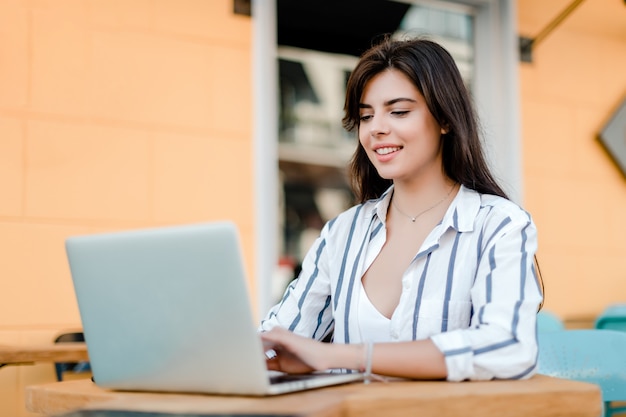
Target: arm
[305, 306]
[296, 354]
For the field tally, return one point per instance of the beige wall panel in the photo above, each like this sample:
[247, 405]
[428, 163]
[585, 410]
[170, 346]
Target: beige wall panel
[602, 283]
[559, 268]
[247, 245]
[9, 378]
[533, 15]
[570, 214]
[530, 89]
[60, 59]
[87, 172]
[588, 156]
[152, 79]
[565, 72]
[11, 166]
[14, 72]
[548, 137]
[616, 234]
[571, 272]
[131, 14]
[612, 55]
[45, 294]
[231, 91]
[199, 178]
[214, 19]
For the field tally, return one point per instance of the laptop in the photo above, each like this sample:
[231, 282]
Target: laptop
[167, 309]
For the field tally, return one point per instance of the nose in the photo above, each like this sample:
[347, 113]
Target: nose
[378, 126]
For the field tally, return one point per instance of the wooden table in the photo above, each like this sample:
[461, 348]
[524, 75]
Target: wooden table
[540, 396]
[61, 352]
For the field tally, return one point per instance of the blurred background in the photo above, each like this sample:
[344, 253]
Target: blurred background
[120, 114]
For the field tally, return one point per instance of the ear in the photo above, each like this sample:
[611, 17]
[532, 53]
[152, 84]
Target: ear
[445, 128]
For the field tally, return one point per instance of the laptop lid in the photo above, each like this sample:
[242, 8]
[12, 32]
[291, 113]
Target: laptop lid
[168, 309]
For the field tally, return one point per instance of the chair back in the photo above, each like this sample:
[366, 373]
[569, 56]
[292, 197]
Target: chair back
[613, 317]
[549, 322]
[76, 367]
[590, 355]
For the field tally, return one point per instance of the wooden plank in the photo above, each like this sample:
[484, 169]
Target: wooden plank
[61, 352]
[539, 396]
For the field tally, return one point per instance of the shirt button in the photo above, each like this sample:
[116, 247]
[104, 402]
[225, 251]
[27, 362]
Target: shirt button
[394, 334]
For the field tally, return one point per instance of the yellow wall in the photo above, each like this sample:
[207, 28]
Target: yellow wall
[120, 114]
[576, 194]
[114, 114]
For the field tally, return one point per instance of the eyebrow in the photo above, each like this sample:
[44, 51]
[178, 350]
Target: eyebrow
[388, 102]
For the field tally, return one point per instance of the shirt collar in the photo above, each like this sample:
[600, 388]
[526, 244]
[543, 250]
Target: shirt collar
[463, 210]
[460, 215]
[381, 205]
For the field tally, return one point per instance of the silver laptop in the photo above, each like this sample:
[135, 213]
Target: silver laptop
[167, 309]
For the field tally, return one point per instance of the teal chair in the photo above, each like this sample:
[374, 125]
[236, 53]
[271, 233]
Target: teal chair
[613, 317]
[549, 322]
[597, 356]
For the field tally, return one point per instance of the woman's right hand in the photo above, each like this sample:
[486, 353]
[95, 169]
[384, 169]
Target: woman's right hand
[293, 353]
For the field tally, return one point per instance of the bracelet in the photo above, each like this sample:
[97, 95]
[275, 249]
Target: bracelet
[369, 348]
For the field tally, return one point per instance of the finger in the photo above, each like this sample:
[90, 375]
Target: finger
[273, 364]
[274, 336]
[270, 354]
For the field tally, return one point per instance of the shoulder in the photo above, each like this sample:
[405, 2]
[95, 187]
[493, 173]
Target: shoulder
[474, 210]
[500, 207]
[499, 216]
[349, 217]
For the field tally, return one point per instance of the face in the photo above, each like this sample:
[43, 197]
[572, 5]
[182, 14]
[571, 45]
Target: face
[399, 134]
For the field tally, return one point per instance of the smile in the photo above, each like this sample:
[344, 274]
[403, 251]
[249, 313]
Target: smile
[387, 150]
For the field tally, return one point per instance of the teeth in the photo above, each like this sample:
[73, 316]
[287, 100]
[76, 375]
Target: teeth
[385, 151]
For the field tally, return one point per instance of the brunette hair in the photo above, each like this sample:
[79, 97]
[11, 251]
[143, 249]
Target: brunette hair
[433, 71]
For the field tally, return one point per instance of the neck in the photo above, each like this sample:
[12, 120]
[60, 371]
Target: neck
[412, 199]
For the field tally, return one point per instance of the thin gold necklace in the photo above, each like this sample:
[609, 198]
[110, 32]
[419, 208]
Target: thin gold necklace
[413, 218]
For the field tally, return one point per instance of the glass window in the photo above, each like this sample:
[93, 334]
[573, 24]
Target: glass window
[450, 25]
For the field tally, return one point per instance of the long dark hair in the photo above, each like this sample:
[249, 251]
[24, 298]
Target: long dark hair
[433, 71]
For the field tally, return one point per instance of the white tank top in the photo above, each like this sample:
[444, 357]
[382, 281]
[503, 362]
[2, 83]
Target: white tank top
[374, 326]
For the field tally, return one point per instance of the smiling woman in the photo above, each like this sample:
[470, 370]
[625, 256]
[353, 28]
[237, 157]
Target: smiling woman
[431, 275]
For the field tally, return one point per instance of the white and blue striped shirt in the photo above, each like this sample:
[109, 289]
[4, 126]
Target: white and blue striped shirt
[471, 288]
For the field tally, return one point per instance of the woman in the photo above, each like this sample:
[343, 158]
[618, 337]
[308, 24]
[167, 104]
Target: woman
[431, 276]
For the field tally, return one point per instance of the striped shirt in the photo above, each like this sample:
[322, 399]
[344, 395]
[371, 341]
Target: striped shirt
[472, 287]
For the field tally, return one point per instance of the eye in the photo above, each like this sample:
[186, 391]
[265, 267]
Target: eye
[365, 117]
[400, 113]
